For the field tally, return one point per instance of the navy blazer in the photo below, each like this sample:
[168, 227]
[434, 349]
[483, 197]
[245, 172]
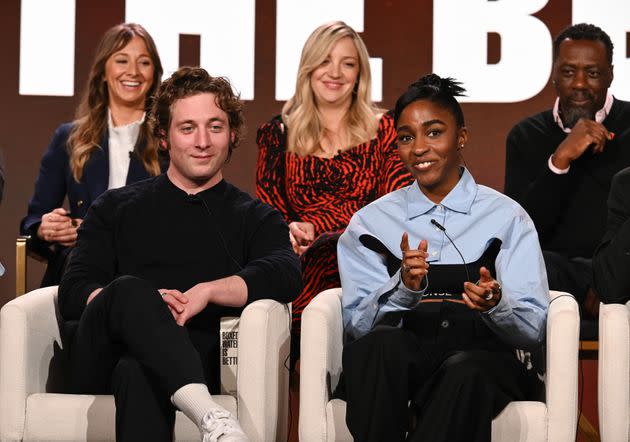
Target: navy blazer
[55, 180]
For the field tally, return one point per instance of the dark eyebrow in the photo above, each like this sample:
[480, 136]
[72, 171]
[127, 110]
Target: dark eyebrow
[425, 124]
[432, 122]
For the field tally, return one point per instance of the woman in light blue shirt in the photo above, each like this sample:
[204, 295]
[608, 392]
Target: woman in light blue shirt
[442, 282]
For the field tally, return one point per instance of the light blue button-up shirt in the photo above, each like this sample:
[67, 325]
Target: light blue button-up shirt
[473, 216]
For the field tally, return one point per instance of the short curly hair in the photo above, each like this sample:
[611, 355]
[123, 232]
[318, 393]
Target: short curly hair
[584, 31]
[189, 81]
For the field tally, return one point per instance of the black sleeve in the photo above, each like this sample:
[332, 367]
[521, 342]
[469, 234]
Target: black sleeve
[611, 263]
[272, 269]
[91, 264]
[530, 182]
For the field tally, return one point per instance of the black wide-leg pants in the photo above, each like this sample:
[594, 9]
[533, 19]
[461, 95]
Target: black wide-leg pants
[454, 394]
[127, 343]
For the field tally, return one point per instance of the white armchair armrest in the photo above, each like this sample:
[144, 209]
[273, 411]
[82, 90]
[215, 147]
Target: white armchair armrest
[561, 383]
[263, 374]
[322, 329]
[28, 331]
[614, 372]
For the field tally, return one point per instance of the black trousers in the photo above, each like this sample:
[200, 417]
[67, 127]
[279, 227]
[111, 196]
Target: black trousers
[128, 344]
[454, 394]
[573, 275]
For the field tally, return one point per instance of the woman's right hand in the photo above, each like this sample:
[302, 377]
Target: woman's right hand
[58, 227]
[301, 235]
[414, 266]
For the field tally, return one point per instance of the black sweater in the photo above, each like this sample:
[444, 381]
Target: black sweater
[611, 263]
[155, 231]
[569, 210]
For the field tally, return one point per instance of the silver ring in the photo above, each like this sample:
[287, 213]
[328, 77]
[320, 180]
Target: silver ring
[489, 297]
[163, 294]
[405, 267]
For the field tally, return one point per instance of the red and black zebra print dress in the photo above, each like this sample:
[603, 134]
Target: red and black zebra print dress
[325, 192]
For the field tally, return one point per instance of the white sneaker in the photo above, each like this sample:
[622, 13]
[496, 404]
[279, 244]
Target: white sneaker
[218, 425]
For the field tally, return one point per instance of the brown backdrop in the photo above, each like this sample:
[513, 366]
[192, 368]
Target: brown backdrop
[397, 31]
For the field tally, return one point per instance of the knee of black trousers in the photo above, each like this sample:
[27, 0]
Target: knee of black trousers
[466, 367]
[132, 291]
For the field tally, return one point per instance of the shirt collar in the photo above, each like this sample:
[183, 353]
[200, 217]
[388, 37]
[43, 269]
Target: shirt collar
[460, 199]
[127, 127]
[600, 115]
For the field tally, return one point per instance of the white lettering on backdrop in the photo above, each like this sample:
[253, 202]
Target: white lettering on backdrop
[227, 47]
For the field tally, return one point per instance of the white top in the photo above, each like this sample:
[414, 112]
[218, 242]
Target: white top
[122, 140]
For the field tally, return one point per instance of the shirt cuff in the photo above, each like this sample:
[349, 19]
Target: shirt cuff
[406, 298]
[554, 169]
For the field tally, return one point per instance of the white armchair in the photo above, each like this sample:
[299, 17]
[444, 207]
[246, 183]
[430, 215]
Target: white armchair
[323, 419]
[30, 336]
[614, 372]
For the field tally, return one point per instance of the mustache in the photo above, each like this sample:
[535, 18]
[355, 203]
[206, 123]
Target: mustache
[581, 96]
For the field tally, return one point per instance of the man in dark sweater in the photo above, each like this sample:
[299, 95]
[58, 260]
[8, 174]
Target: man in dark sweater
[611, 262]
[560, 162]
[159, 262]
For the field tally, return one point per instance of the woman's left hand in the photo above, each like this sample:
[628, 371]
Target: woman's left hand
[485, 294]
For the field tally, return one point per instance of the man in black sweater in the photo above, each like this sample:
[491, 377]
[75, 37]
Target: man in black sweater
[611, 263]
[159, 262]
[560, 162]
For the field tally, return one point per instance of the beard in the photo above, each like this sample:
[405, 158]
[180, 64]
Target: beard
[571, 114]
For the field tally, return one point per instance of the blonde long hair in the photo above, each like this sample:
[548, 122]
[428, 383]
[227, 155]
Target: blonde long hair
[301, 114]
[91, 116]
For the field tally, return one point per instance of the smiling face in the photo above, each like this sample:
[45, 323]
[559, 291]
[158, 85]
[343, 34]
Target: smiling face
[129, 75]
[334, 79]
[198, 138]
[581, 75]
[428, 143]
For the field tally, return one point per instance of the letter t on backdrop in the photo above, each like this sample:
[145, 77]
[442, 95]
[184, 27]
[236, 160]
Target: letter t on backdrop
[612, 17]
[226, 30]
[460, 48]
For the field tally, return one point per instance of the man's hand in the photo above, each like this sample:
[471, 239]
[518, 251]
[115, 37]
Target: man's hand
[229, 292]
[484, 295]
[413, 267]
[585, 133]
[196, 300]
[175, 300]
[301, 235]
[58, 227]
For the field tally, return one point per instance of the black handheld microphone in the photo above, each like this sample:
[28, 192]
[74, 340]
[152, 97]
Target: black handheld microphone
[443, 229]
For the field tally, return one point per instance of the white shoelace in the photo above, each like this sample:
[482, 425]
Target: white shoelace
[216, 423]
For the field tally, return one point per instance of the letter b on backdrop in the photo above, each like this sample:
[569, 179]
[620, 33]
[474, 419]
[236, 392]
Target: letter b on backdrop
[460, 47]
